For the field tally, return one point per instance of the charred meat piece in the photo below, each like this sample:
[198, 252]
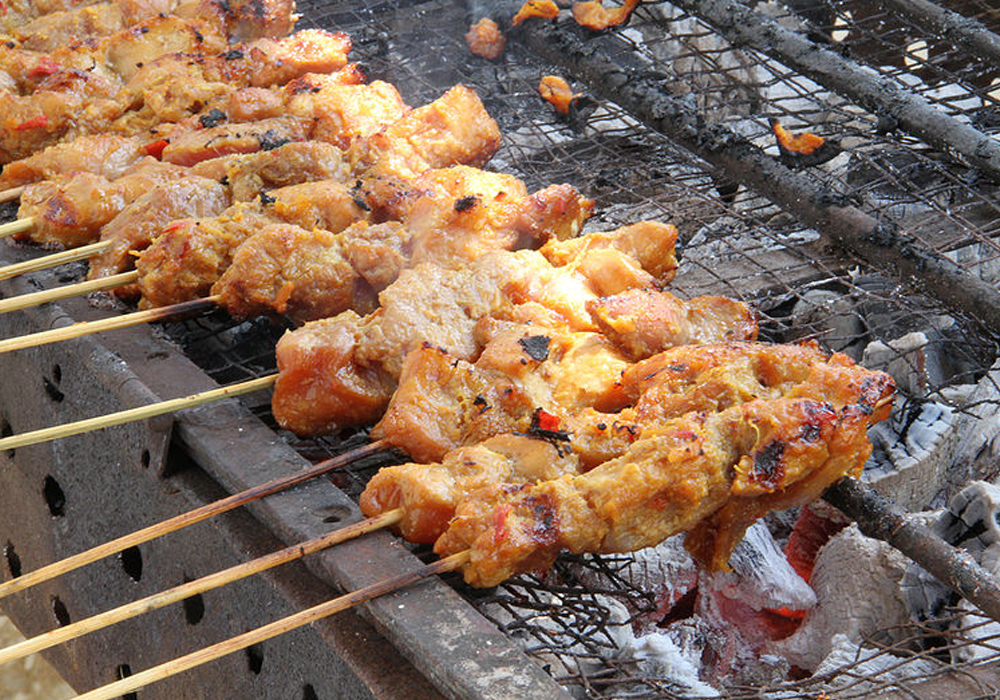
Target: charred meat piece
[70, 212]
[430, 493]
[442, 307]
[106, 155]
[143, 219]
[711, 474]
[671, 388]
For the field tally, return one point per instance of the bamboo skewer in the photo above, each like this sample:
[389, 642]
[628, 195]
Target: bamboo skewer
[15, 227]
[11, 194]
[79, 289]
[179, 522]
[134, 414]
[47, 261]
[105, 324]
[206, 583]
[269, 631]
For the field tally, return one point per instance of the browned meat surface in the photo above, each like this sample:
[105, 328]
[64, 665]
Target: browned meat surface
[30, 123]
[312, 397]
[189, 255]
[193, 147]
[170, 89]
[642, 322]
[344, 113]
[443, 402]
[70, 212]
[142, 220]
[301, 274]
[245, 20]
[289, 164]
[125, 53]
[442, 306]
[451, 405]
[65, 27]
[460, 213]
[712, 474]
[455, 128]
[429, 493]
[105, 155]
[51, 23]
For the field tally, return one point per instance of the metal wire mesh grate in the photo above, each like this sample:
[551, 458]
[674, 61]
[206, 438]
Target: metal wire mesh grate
[575, 620]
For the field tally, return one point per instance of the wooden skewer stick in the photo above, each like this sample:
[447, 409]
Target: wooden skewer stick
[15, 227]
[106, 324]
[133, 414]
[47, 261]
[71, 290]
[261, 634]
[186, 590]
[11, 194]
[179, 522]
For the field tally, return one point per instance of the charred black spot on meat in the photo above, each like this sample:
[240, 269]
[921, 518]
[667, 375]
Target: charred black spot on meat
[768, 468]
[9, 44]
[270, 140]
[258, 9]
[542, 428]
[213, 118]
[465, 203]
[357, 198]
[544, 519]
[677, 368]
[811, 432]
[144, 30]
[602, 426]
[198, 36]
[536, 347]
[266, 199]
[233, 55]
[482, 403]
[224, 181]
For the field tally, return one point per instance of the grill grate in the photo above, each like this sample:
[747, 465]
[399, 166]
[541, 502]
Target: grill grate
[733, 242]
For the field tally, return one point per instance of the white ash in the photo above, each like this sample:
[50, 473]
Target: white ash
[970, 523]
[728, 238]
[666, 570]
[672, 657]
[761, 576]
[856, 581]
[918, 365]
[869, 670]
[830, 317]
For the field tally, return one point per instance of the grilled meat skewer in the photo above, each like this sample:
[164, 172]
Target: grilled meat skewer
[46, 26]
[343, 370]
[167, 90]
[503, 440]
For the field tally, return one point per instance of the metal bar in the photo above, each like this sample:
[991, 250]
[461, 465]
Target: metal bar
[878, 517]
[878, 94]
[951, 26]
[615, 72]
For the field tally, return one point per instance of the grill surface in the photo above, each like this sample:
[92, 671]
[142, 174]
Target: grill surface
[680, 133]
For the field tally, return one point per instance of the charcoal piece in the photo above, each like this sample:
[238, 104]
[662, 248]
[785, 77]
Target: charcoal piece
[970, 523]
